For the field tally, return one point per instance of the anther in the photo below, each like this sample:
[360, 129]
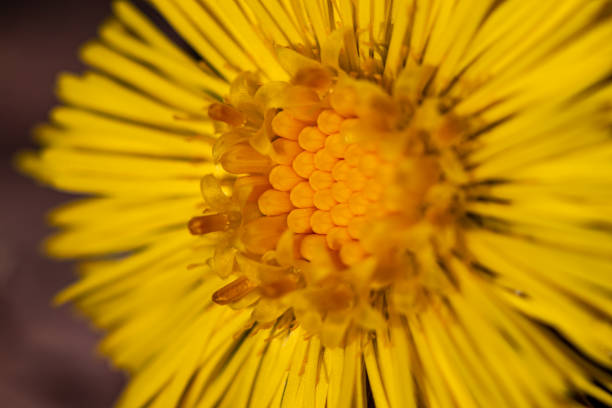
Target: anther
[209, 223]
[303, 103]
[249, 188]
[242, 159]
[313, 77]
[262, 234]
[226, 113]
[233, 291]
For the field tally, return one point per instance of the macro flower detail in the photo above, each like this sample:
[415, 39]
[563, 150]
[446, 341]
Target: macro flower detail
[346, 203]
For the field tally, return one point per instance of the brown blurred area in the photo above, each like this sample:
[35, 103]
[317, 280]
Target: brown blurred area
[47, 355]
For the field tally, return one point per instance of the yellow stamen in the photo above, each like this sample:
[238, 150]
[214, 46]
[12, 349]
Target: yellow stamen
[233, 291]
[243, 159]
[262, 234]
[303, 103]
[210, 223]
[226, 113]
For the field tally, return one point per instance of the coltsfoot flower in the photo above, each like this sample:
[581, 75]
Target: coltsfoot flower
[344, 203]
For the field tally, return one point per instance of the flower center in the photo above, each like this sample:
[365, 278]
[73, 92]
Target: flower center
[344, 196]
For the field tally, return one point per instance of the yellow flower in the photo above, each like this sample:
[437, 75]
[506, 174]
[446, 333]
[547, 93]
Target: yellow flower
[343, 203]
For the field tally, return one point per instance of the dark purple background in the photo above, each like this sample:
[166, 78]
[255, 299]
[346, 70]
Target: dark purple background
[47, 357]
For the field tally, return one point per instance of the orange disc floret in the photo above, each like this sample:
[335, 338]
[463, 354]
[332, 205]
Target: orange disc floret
[311, 139]
[329, 121]
[336, 237]
[303, 164]
[313, 246]
[302, 195]
[274, 202]
[341, 214]
[352, 252]
[324, 160]
[324, 178]
[284, 151]
[328, 187]
[320, 180]
[298, 220]
[321, 222]
[324, 199]
[284, 178]
[286, 126]
[335, 145]
[340, 171]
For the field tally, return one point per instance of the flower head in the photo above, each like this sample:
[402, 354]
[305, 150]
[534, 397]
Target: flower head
[344, 203]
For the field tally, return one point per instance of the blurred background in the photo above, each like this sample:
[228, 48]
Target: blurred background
[47, 355]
